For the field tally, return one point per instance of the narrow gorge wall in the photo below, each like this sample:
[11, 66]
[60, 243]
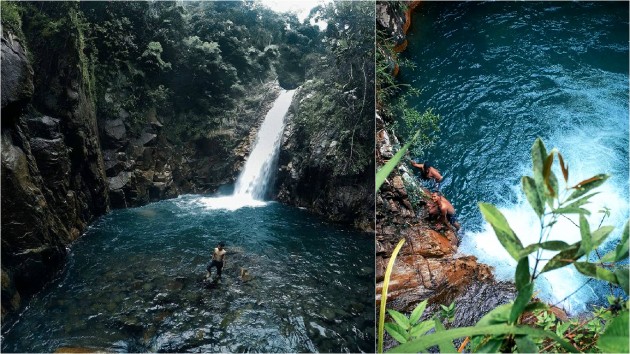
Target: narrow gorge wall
[53, 180]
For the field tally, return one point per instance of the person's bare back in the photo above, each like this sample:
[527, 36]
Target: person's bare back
[446, 210]
[428, 172]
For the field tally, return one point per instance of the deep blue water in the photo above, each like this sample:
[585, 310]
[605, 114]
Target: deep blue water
[501, 74]
[134, 283]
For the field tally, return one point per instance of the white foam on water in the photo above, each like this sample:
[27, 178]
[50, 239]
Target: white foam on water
[232, 202]
[592, 140]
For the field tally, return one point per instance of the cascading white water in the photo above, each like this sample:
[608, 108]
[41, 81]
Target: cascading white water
[593, 143]
[253, 181]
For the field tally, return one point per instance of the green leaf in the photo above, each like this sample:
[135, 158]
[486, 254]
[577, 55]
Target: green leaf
[522, 276]
[384, 171]
[583, 200]
[539, 155]
[491, 345]
[548, 245]
[563, 258]
[599, 236]
[522, 299]
[571, 210]
[417, 312]
[562, 327]
[552, 189]
[421, 328]
[397, 332]
[593, 271]
[529, 187]
[502, 229]
[587, 185]
[388, 274]
[585, 233]
[424, 342]
[498, 315]
[525, 344]
[615, 336]
[623, 275]
[401, 319]
[621, 251]
[445, 345]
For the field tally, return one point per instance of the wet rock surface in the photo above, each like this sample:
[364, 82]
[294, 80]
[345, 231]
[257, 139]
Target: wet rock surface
[52, 176]
[17, 75]
[306, 175]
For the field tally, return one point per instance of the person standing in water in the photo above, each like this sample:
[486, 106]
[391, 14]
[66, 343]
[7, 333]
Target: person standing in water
[218, 258]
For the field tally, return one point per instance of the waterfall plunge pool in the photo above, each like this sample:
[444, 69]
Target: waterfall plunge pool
[133, 283]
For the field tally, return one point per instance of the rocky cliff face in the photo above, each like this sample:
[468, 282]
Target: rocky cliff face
[145, 166]
[428, 266]
[309, 161]
[53, 182]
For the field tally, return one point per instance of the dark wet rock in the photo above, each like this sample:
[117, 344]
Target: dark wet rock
[146, 139]
[44, 127]
[114, 162]
[17, 75]
[119, 181]
[391, 18]
[53, 181]
[114, 134]
[306, 175]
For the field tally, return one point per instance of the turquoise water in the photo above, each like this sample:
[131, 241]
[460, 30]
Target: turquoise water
[134, 283]
[503, 73]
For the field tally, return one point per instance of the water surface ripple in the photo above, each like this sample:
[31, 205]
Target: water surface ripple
[503, 73]
[134, 283]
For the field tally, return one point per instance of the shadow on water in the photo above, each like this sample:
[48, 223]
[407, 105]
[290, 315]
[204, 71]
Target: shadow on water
[135, 283]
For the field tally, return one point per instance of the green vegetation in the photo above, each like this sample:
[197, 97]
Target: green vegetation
[392, 99]
[190, 60]
[11, 18]
[502, 329]
[337, 100]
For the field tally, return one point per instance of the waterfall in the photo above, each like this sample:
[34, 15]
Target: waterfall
[253, 181]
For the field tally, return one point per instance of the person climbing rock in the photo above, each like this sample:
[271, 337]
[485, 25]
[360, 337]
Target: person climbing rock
[428, 172]
[446, 211]
[218, 258]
